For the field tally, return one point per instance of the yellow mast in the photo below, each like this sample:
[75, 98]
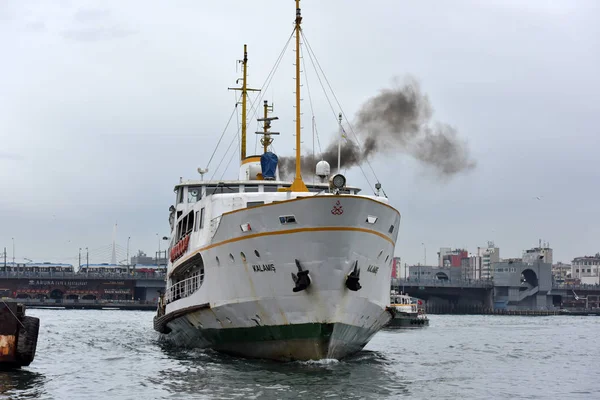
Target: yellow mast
[298, 184]
[245, 91]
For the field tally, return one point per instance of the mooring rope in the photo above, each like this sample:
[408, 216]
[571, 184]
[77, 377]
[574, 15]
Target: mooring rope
[13, 314]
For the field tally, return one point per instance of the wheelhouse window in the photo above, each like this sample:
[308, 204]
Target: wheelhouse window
[216, 189]
[194, 194]
[185, 225]
[180, 195]
[250, 188]
[202, 218]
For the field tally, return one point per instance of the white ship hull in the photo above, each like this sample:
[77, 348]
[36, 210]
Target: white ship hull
[248, 308]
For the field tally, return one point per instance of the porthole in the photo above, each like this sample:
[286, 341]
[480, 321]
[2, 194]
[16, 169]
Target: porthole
[380, 253]
[218, 262]
[243, 256]
[391, 230]
[257, 253]
[231, 257]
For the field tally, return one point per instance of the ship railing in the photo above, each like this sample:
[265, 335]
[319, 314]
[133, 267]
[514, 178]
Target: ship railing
[185, 287]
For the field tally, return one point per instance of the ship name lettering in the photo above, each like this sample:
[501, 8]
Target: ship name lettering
[263, 267]
[373, 269]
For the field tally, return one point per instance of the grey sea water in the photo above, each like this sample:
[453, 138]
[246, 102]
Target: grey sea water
[116, 355]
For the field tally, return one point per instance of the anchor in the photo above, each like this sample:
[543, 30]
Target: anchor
[302, 280]
[353, 278]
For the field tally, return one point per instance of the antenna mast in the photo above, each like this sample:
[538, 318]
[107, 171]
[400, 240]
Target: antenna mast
[245, 91]
[340, 145]
[298, 184]
[266, 140]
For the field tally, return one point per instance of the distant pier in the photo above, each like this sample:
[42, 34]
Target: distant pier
[90, 304]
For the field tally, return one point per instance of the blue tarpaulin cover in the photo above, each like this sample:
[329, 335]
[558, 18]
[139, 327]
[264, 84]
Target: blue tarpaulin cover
[268, 164]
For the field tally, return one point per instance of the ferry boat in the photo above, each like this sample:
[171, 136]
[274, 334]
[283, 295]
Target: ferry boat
[409, 312]
[262, 267]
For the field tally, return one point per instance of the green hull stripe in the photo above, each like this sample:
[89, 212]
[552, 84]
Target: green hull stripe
[319, 331]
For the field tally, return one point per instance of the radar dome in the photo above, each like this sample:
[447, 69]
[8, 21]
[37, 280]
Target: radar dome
[323, 169]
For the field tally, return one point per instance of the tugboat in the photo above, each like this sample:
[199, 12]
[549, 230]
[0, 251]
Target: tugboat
[409, 312]
[18, 335]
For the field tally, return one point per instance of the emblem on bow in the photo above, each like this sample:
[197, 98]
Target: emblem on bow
[337, 208]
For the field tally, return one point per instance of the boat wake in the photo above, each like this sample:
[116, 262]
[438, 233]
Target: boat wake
[324, 361]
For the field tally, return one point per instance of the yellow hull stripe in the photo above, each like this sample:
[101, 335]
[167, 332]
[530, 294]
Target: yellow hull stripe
[287, 232]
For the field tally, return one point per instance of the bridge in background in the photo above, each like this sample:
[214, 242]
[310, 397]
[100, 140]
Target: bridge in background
[484, 296]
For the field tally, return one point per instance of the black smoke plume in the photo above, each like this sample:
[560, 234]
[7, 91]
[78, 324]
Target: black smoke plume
[396, 120]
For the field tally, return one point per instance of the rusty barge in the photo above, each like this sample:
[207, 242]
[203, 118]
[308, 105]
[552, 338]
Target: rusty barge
[18, 335]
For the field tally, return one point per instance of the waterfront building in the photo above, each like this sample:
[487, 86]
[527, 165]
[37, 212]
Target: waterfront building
[533, 255]
[451, 257]
[586, 269]
[561, 272]
[479, 265]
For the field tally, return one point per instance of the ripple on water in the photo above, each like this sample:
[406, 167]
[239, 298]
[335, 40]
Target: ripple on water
[117, 355]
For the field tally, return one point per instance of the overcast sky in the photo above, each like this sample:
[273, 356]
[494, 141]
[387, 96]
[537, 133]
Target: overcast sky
[105, 104]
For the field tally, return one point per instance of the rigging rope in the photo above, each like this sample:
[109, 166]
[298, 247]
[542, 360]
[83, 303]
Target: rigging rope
[13, 314]
[253, 108]
[222, 134]
[341, 109]
[236, 136]
[329, 101]
[226, 152]
[225, 170]
[269, 78]
[312, 111]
